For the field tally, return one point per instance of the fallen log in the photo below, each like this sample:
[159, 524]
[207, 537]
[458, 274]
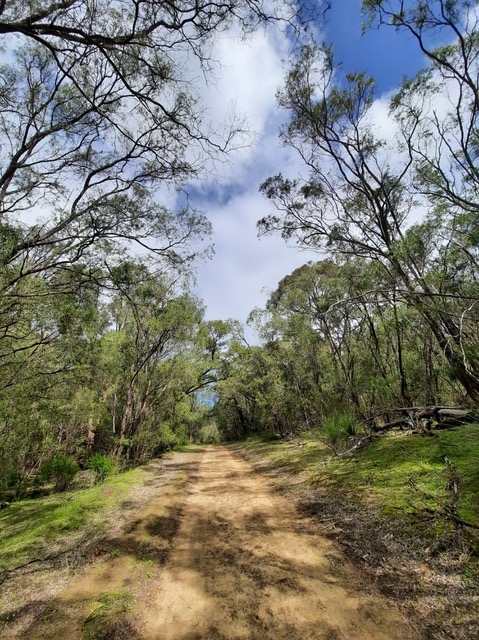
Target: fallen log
[419, 415]
[402, 422]
[443, 412]
[418, 409]
[455, 413]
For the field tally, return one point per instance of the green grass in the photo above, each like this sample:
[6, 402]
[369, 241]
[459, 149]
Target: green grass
[463, 451]
[403, 474]
[29, 525]
[107, 618]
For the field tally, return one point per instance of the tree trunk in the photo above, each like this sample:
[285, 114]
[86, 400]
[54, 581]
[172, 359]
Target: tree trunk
[448, 338]
[125, 420]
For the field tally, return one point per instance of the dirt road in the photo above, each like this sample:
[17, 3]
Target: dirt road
[220, 554]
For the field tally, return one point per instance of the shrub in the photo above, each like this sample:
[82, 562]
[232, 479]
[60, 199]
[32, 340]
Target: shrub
[13, 478]
[102, 465]
[13, 483]
[60, 470]
[336, 430]
[166, 438]
[210, 434]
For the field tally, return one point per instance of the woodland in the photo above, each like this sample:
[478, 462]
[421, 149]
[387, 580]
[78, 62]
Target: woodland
[106, 359]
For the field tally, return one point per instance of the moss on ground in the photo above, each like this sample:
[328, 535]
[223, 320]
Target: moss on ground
[405, 474]
[29, 525]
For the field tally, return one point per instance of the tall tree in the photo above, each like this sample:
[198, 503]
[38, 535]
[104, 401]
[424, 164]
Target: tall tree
[97, 115]
[362, 193]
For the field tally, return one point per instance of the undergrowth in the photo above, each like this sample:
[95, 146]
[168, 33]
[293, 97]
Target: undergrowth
[408, 474]
[29, 525]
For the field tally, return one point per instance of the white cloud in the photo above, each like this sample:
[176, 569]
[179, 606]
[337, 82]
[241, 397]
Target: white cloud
[244, 84]
[244, 269]
[251, 73]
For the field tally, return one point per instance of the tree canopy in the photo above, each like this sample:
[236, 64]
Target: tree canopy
[405, 203]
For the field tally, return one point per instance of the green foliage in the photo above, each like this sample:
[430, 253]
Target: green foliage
[405, 475]
[337, 429]
[339, 341]
[28, 525]
[210, 434]
[431, 266]
[116, 374]
[13, 482]
[13, 479]
[167, 439]
[102, 465]
[60, 470]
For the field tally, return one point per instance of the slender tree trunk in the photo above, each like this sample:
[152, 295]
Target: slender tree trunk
[448, 335]
[91, 433]
[113, 418]
[403, 383]
[126, 420]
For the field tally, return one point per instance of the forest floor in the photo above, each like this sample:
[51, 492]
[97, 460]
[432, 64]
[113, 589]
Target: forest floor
[206, 548]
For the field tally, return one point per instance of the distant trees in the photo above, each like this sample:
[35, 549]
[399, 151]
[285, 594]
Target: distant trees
[117, 375]
[365, 194]
[388, 317]
[340, 347]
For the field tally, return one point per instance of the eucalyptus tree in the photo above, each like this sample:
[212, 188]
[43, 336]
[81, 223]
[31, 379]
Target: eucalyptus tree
[100, 109]
[339, 343]
[244, 395]
[153, 325]
[438, 109]
[364, 192]
[49, 398]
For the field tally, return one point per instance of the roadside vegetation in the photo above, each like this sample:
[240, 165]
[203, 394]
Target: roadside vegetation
[427, 481]
[370, 354]
[104, 348]
[106, 357]
[36, 527]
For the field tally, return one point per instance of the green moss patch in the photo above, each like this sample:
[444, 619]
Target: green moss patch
[408, 474]
[29, 525]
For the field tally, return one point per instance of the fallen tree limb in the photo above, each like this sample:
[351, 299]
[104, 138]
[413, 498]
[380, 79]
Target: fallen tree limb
[439, 414]
[448, 512]
[360, 444]
[417, 409]
[7, 573]
[444, 412]
[391, 425]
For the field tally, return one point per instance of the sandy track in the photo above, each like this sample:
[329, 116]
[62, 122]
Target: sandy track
[243, 565]
[219, 554]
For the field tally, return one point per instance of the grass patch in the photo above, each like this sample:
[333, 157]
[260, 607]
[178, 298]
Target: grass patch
[29, 525]
[462, 448]
[107, 618]
[406, 474]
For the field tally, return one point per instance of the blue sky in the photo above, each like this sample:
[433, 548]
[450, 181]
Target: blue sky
[385, 54]
[245, 269]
